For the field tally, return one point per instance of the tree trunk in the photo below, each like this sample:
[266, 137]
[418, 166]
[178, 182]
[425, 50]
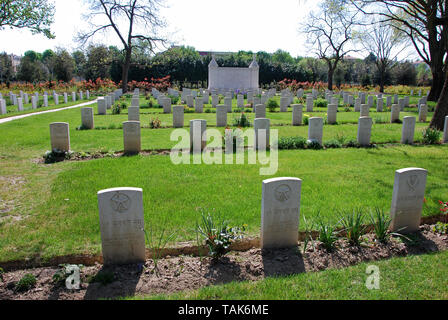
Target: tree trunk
[330, 78]
[125, 75]
[438, 120]
[438, 80]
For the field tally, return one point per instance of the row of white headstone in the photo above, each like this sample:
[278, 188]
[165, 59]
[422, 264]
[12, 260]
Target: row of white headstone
[60, 136]
[122, 220]
[24, 99]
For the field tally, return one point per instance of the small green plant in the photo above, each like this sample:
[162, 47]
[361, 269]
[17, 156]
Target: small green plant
[116, 109]
[290, 143]
[314, 145]
[218, 235]
[352, 143]
[320, 103]
[242, 121]
[327, 235]
[27, 282]
[57, 156]
[431, 136]
[353, 226]
[155, 123]
[306, 120]
[441, 228]
[381, 223]
[272, 104]
[2, 272]
[333, 144]
[103, 277]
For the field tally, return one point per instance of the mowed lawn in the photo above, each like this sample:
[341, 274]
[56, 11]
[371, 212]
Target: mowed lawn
[50, 210]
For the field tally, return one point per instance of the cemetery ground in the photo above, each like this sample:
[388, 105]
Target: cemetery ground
[51, 210]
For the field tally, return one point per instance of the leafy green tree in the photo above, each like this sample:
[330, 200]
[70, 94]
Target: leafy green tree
[64, 65]
[98, 62]
[281, 56]
[35, 15]
[80, 63]
[6, 69]
[31, 70]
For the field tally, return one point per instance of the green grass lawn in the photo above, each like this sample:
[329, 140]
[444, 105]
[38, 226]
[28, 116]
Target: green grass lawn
[54, 207]
[409, 278]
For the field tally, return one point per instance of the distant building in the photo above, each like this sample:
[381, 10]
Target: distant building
[15, 61]
[244, 79]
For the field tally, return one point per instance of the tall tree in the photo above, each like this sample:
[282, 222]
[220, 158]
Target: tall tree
[35, 15]
[329, 32]
[385, 44]
[6, 69]
[64, 65]
[131, 21]
[425, 22]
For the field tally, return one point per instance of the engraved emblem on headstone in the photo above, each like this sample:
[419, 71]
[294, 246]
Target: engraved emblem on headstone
[413, 183]
[120, 202]
[283, 193]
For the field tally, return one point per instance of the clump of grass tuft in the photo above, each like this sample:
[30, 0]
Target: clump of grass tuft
[327, 235]
[381, 223]
[353, 226]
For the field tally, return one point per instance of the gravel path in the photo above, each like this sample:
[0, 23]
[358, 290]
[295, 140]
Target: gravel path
[42, 112]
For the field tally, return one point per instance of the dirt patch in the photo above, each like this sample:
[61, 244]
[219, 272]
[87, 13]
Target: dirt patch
[189, 273]
[9, 185]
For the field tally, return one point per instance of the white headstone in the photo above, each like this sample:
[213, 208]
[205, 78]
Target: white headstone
[102, 108]
[260, 111]
[315, 130]
[423, 112]
[2, 106]
[395, 113]
[280, 212]
[221, 116]
[178, 116]
[60, 136]
[407, 136]
[297, 114]
[365, 110]
[87, 118]
[198, 138]
[198, 105]
[122, 225]
[131, 137]
[407, 199]
[332, 113]
[364, 130]
[262, 133]
[133, 113]
[309, 104]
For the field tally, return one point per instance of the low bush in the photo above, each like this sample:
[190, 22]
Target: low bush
[431, 136]
[289, 143]
[242, 121]
[217, 234]
[26, 283]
